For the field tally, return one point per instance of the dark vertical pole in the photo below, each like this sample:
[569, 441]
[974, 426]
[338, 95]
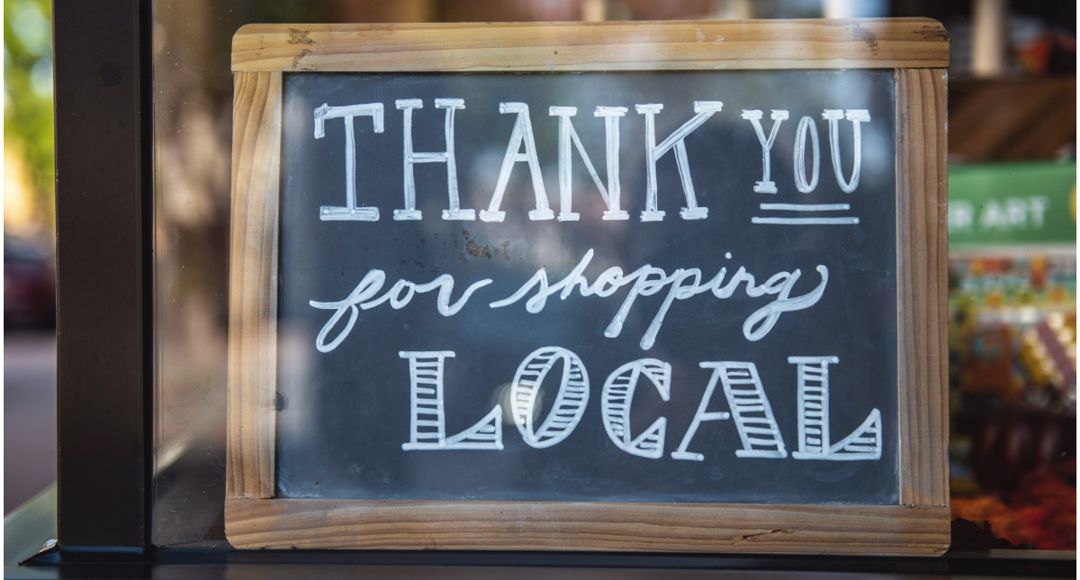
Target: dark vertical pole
[104, 291]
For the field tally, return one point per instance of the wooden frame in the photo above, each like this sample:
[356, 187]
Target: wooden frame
[917, 49]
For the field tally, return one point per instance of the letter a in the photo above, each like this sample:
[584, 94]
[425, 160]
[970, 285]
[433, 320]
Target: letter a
[521, 135]
[758, 431]
[702, 415]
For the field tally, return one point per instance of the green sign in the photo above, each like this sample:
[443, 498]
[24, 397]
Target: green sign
[1012, 204]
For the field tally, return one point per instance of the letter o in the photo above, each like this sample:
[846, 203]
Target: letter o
[801, 183]
[569, 404]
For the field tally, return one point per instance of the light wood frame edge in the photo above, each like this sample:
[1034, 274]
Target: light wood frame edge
[253, 263]
[918, 526]
[603, 46]
[586, 526]
[922, 285]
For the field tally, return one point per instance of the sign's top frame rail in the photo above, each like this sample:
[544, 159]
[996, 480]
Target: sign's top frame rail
[607, 46]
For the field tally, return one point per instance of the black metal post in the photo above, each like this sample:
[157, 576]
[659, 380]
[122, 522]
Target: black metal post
[104, 264]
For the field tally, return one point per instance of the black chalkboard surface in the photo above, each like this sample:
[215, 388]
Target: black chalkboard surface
[777, 389]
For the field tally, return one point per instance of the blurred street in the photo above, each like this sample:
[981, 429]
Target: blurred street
[29, 415]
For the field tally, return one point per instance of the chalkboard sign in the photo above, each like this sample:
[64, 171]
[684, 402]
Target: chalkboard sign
[562, 303]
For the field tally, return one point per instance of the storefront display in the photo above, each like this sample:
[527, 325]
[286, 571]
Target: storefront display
[1013, 351]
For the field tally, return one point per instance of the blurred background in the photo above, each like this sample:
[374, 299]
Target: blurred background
[29, 291]
[1012, 221]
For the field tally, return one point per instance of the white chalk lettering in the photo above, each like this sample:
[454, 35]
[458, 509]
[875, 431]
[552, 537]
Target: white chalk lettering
[570, 400]
[618, 395]
[522, 135]
[750, 406]
[521, 147]
[702, 415]
[412, 157]
[567, 135]
[857, 118]
[681, 284]
[766, 185]
[806, 127]
[399, 295]
[677, 140]
[864, 443]
[350, 211]
[427, 414]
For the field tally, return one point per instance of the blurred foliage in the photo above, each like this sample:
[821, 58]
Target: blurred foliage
[28, 92]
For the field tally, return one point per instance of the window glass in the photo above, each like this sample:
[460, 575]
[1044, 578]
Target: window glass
[1012, 263]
